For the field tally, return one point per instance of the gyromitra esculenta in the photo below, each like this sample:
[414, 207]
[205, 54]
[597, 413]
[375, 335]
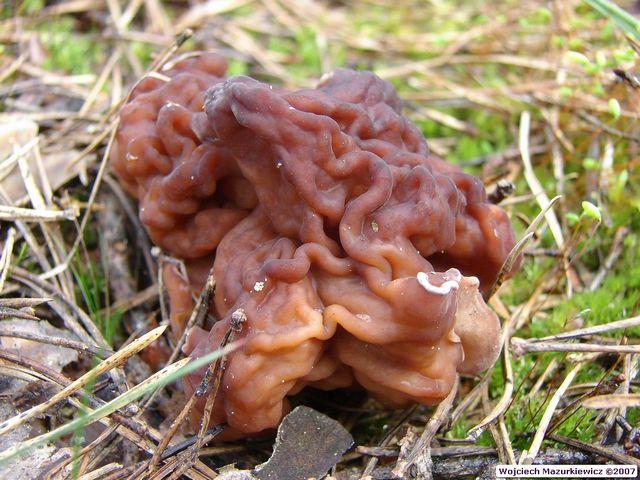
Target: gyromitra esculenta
[357, 257]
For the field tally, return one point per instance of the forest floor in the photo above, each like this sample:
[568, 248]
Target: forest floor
[543, 96]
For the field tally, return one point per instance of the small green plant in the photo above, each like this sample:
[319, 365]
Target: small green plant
[91, 285]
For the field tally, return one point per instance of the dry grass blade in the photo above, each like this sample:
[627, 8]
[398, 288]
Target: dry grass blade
[13, 214]
[92, 198]
[20, 307]
[165, 376]
[527, 457]
[614, 254]
[445, 119]
[5, 259]
[9, 162]
[110, 363]
[95, 143]
[506, 397]
[7, 313]
[130, 428]
[204, 10]
[551, 368]
[519, 247]
[503, 440]
[515, 252]
[534, 183]
[80, 322]
[106, 409]
[22, 302]
[628, 400]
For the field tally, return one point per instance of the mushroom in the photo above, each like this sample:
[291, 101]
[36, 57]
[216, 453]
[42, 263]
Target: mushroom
[358, 258]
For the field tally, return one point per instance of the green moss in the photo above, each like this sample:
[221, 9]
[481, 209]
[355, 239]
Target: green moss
[525, 413]
[237, 67]
[308, 54]
[69, 51]
[143, 52]
[30, 7]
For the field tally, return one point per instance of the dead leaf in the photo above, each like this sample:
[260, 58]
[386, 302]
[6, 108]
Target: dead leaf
[307, 445]
[52, 356]
[22, 134]
[232, 473]
[34, 464]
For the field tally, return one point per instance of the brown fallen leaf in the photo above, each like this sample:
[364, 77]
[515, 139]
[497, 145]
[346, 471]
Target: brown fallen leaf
[307, 445]
[19, 139]
[52, 356]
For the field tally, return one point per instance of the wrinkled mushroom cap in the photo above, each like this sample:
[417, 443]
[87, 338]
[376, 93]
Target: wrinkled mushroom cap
[358, 258]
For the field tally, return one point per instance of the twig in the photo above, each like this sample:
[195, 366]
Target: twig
[198, 313]
[606, 327]
[619, 458]
[134, 430]
[209, 435]
[429, 432]
[237, 319]
[521, 347]
[371, 464]
[438, 452]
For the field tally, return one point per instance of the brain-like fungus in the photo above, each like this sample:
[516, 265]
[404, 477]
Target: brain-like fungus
[356, 256]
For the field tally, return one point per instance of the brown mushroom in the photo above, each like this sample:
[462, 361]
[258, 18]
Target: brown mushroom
[358, 257]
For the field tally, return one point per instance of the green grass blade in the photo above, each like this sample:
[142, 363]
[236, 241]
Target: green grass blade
[623, 19]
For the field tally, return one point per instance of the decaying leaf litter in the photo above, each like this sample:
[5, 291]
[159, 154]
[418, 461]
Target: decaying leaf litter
[544, 95]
